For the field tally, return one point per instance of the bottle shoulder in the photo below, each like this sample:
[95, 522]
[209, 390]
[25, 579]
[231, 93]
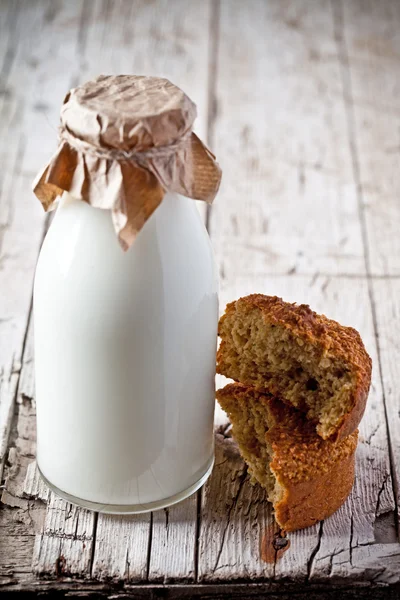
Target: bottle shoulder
[81, 246]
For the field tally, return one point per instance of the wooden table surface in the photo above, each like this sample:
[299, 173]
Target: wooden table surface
[300, 102]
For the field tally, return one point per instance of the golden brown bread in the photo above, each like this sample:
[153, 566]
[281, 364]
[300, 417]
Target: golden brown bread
[307, 478]
[306, 359]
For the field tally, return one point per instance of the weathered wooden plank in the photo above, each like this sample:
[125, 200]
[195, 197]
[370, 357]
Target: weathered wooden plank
[44, 68]
[235, 516]
[370, 49]
[23, 480]
[370, 52]
[173, 543]
[34, 486]
[64, 534]
[63, 543]
[19, 242]
[16, 556]
[66, 541]
[237, 591]
[302, 242]
[122, 547]
[21, 223]
[326, 551]
[8, 390]
[287, 202]
[369, 41]
[387, 305]
[312, 554]
[23, 82]
[20, 518]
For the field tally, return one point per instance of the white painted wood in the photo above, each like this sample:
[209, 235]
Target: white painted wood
[23, 481]
[241, 236]
[64, 534]
[173, 543]
[41, 68]
[369, 42]
[34, 486]
[122, 545]
[369, 37]
[21, 219]
[287, 201]
[26, 79]
[8, 390]
[387, 305]
[65, 546]
[354, 524]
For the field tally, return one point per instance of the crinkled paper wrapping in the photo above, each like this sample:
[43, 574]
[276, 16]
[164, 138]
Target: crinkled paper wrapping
[126, 140]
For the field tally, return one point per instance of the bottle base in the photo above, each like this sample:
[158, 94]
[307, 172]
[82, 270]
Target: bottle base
[131, 509]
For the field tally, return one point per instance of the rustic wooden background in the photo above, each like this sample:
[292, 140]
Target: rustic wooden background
[300, 102]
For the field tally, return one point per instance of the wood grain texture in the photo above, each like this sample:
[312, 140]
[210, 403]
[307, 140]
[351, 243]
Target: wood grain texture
[326, 551]
[64, 534]
[175, 529]
[368, 40]
[42, 53]
[21, 517]
[369, 43]
[64, 547]
[287, 201]
[21, 219]
[235, 516]
[21, 229]
[387, 300]
[298, 100]
[122, 548]
[99, 36]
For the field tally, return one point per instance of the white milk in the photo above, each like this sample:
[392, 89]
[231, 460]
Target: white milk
[125, 357]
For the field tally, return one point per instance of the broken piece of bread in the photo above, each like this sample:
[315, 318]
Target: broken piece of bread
[307, 478]
[305, 359]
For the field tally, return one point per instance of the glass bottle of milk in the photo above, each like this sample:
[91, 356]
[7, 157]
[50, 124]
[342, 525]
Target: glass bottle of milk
[125, 300]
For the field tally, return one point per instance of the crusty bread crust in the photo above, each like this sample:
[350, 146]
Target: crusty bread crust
[328, 336]
[306, 502]
[314, 476]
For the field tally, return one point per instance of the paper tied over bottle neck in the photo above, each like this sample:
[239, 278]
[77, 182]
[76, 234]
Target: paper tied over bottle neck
[124, 142]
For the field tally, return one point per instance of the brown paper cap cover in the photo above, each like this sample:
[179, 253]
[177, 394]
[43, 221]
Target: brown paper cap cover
[124, 141]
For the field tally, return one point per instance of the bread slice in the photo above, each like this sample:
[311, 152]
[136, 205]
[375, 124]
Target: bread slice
[307, 360]
[307, 478]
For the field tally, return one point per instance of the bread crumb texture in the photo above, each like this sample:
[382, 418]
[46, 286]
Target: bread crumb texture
[306, 478]
[307, 360]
